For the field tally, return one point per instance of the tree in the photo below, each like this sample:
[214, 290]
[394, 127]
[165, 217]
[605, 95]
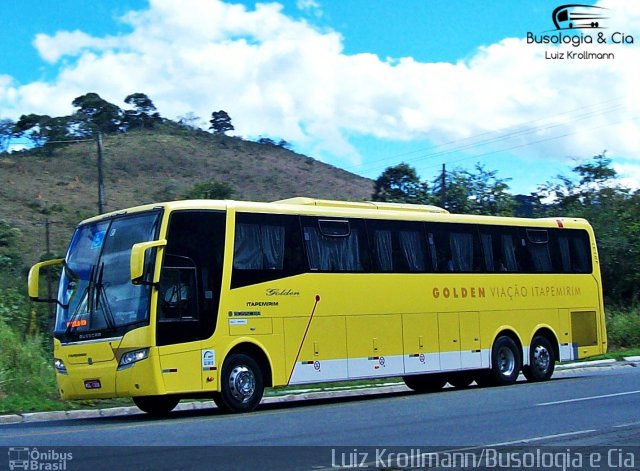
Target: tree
[597, 182]
[211, 189]
[44, 131]
[6, 132]
[401, 184]
[96, 114]
[266, 141]
[284, 144]
[144, 114]
[220, 122]
[593, 192]
[475, 192]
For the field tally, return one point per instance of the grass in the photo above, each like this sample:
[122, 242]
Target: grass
[617, 354]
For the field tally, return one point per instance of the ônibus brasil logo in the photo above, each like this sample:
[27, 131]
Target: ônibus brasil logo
[31, 458]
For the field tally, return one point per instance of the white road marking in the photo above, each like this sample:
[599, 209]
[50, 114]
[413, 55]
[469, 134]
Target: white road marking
[543, 437]
[587, 398]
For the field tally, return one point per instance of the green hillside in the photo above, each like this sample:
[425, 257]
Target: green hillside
[153, 166]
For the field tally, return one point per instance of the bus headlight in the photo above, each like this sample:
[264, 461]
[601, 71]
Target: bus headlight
[58, 364]
[129, 358]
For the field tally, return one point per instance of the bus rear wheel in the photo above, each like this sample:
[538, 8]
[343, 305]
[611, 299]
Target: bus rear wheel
[505, 361]
[156, 405]
[242, 384]
[542, 360]
[425, 383]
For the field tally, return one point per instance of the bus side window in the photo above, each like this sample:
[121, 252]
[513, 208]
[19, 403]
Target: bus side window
[382, 251]
[266, 247]
[336, 245]
[178, 293]
[397, 246]
[487, 252]
[509, 260]
[573, 247]
[537, 244]
[259, 247]
[500, 251]
[457, 247]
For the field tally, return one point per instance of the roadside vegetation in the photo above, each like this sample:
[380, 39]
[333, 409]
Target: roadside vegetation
[52, 187]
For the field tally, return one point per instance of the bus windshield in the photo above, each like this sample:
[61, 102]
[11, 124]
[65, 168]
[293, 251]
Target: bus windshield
[96, 297]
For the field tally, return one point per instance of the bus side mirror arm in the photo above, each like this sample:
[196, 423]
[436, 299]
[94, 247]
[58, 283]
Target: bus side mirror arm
[137, 259]
[34, 280]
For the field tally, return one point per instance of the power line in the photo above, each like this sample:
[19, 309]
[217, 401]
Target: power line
[537, 141]
[505, 134]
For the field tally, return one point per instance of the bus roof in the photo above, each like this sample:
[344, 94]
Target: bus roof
[299, 200]
[374, 209]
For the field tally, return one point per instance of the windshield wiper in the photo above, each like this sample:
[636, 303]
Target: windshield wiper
[101, 299]
[86, 301]
[92, 299]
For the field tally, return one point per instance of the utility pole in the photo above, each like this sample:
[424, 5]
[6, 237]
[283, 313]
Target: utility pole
[100, 177]
[443, 187]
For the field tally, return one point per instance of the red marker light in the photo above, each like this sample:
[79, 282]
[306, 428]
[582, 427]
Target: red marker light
[559, 221]
[317, 297]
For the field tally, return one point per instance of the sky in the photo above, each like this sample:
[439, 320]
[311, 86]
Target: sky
[362, 85]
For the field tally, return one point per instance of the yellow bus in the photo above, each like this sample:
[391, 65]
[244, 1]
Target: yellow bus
[221, 299]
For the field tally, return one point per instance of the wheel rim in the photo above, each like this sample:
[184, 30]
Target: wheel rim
[506, 361]
[242, 383]
[541, 358]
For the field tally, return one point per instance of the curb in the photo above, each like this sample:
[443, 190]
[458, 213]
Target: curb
[29, 417]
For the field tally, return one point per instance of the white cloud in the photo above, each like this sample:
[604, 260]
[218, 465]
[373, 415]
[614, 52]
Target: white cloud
[311, 6]
[629, 175]
[69, 43]
[281, 77]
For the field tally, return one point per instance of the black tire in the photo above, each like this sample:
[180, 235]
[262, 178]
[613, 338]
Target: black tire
[241, 384]
[156, 405]
[425, 383]
[217, 400]
[460, 379]
[506, 361]
[542, 360]
[484, 378]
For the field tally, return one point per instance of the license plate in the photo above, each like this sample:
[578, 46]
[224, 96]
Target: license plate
[92, 384]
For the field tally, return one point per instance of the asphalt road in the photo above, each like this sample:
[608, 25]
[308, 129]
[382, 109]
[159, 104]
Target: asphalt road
[577, 411]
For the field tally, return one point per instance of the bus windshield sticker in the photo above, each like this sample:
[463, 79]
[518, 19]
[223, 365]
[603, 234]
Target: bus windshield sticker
[98, 238]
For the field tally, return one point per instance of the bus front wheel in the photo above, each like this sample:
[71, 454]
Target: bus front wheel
[156, 405]
[242, 384]
[542, 360]
[505, 361]
[425, 383]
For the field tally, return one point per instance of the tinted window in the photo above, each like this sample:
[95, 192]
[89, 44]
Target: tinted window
[535, 250]
[536, 242]
[266, 247]
[335, 245]
[573, 251]
[454, 248]
[398, 246]
[191, 277]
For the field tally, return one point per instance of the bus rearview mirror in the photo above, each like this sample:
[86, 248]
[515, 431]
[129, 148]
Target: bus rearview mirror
[137, 258]
[34, 279]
